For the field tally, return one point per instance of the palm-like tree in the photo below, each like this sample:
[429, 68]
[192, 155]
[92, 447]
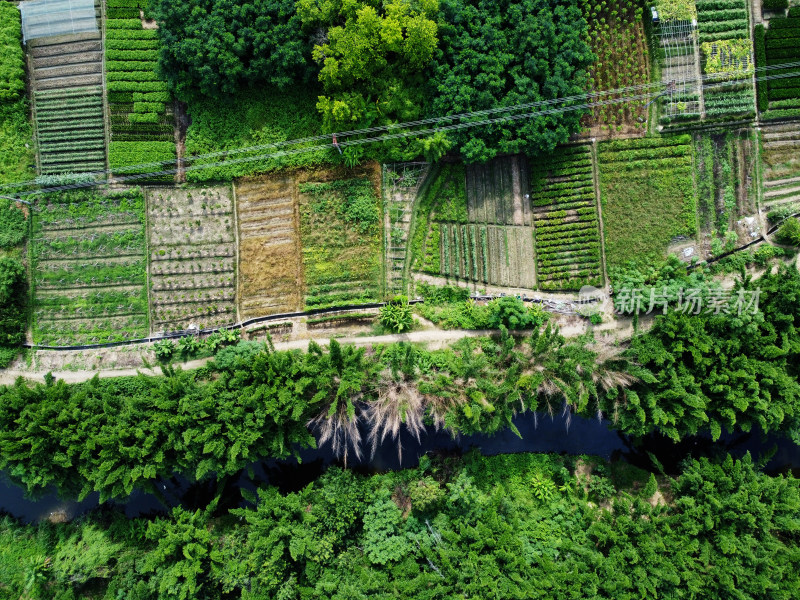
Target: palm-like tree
[337, 381]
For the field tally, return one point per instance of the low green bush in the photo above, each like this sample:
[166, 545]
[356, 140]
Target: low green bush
[12, 59]
[397, 316]
[789, 232]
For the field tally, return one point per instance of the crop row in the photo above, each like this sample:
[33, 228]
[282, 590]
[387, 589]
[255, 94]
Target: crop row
[641, 168]
[70, 130]
[116, 274]
[647, 142]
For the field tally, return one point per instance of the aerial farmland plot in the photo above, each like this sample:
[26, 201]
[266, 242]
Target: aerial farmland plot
[475, 224]
[192, 248]
[67, 79]
[648, 197]
[87, 255]
[568, 252]
[617, 37]
[512, 222]
[341, 236]
[497, 246]
[270, 265]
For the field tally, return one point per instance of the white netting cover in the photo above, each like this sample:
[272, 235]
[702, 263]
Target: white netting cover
[46, 18]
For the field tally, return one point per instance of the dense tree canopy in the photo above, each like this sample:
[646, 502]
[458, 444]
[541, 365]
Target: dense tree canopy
[503, 53]
[221, 46]
[513, 526]
[382, 63]
[715, 371]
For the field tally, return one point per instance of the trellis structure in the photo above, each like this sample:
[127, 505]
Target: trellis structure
[401, 183]
[680, 72]
[47, 18]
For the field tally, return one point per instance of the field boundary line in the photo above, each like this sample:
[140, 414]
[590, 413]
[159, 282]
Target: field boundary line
[599, 205]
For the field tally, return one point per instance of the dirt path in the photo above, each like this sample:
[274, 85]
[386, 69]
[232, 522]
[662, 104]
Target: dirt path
[434, 338]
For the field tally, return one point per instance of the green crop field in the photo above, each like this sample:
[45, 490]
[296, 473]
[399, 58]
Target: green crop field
[341, 239]
[87, 254]
[142, 123]
[568, 253]
[648, 197]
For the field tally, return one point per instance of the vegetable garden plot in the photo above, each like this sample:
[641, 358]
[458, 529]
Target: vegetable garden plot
[616, 36]
[341, 238]
[568, 253]
[475, 224]
[270, 267]
[67, 80]
[493, 254]
[494, 192]
[647, 191]
[680, 71]
[781, 164]
[142, 122]
[88, 259]
[192, 257]
[725, 42]
[724, 165]
[778, 45]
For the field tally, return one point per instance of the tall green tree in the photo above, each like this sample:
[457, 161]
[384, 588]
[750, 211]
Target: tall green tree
[372, 57]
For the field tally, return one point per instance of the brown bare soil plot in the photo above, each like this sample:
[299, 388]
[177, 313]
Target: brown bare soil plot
[270, 265]
[192, 257]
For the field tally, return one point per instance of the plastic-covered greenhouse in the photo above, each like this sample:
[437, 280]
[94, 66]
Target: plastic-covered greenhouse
[46, 18]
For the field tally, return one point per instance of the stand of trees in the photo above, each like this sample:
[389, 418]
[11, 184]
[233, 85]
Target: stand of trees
[514, 526]
[379, 63]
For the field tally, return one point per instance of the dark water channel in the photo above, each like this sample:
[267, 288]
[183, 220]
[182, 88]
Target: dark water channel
[539, 434]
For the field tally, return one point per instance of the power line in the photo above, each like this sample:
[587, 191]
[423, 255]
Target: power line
[404, 130]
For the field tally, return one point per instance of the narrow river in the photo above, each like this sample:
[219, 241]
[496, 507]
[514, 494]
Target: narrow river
[539, 434]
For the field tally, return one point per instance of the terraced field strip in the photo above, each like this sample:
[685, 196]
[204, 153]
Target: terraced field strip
[781, 164]
[67, 79]
[192, 257]
[87, 253]
[568, 253]
[270, 265]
